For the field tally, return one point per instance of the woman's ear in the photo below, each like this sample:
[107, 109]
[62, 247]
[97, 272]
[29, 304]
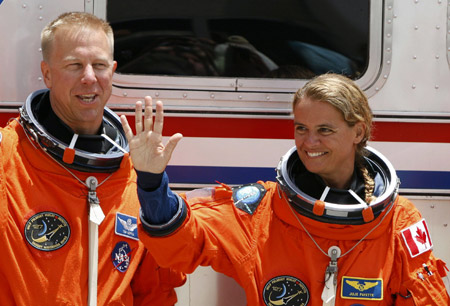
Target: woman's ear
[360, 128]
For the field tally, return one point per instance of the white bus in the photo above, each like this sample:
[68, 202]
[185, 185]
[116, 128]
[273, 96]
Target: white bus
[227, 70]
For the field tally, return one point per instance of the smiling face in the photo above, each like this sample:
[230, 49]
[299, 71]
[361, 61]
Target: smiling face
[79, 73]
[325, 143]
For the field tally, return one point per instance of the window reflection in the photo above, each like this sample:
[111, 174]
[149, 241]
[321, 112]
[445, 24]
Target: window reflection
[254, 39]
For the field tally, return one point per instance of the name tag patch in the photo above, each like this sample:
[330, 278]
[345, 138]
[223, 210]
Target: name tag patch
[126, 226]
[362, 288]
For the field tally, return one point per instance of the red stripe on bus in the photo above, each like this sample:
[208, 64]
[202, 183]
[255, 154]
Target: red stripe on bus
[284, 129]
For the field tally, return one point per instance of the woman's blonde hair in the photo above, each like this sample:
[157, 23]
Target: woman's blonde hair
[345, 96]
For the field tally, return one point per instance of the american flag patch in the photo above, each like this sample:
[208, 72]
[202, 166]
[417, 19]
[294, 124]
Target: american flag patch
[417, 238]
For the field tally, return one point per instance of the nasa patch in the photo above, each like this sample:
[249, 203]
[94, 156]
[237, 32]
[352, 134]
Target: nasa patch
[285, 290]
[121, 256]
[126, 226]
[47, 231]
[247, 197]
[362, 288]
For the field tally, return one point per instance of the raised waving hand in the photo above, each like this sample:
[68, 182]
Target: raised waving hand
[147, 150]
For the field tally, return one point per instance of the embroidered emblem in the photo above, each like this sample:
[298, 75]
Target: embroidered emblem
[362, 288]
[47, 231]
[126, 226]
[121, 256]
[286, 291]
[417, 238]
[248, 197]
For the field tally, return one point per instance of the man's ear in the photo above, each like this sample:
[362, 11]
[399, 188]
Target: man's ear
[46, 74]
[114, 66]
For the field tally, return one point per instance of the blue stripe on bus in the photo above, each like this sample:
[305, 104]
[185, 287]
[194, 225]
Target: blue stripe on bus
[244, 175]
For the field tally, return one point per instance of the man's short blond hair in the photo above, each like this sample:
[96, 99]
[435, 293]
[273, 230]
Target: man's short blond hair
[73, 20]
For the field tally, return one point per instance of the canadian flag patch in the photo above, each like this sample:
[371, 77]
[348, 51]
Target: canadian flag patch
[417, 238]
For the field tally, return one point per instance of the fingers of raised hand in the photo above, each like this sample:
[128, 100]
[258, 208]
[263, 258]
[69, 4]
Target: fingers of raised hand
[138, 117]
[148, 113]
[159, 117]
[172, 143]
[126, 127]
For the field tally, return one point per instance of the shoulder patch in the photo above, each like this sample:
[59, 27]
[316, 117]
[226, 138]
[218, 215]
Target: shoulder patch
[417, 238]
[126, 226]
[248, 197]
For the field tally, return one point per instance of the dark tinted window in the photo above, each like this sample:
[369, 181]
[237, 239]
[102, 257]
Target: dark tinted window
[245, 38]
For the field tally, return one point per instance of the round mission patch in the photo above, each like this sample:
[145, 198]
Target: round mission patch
[285, 290]
[248, 197]
[47, 231]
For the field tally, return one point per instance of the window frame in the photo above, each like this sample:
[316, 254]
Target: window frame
[225, 95]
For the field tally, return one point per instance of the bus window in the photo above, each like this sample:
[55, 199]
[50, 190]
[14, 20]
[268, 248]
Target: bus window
[293, 39]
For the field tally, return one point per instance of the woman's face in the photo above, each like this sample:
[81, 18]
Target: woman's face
[325, 143]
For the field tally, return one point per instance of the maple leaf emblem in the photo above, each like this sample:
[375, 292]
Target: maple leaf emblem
[421, 236]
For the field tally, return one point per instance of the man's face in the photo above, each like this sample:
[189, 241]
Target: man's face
[79, 75]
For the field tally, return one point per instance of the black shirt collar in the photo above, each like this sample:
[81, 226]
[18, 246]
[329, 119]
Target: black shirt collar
[58, 129]
[314, 186]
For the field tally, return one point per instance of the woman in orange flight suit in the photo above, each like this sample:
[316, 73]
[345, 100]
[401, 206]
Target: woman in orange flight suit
[331, 231]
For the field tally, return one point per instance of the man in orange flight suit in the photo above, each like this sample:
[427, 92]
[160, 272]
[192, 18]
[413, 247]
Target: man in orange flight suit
[68, 213]
[301, 240]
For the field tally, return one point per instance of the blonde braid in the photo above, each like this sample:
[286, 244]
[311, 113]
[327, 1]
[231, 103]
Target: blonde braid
[369, 184]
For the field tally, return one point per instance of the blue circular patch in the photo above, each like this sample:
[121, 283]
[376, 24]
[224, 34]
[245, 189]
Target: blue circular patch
[248, 194]
[121, 256]
[248, 197]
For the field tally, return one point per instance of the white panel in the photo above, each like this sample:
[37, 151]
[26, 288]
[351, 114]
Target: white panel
[419, 76]
[416, 155]
[21, 23]
[230, 152]
[239, 152]
[205, 287]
